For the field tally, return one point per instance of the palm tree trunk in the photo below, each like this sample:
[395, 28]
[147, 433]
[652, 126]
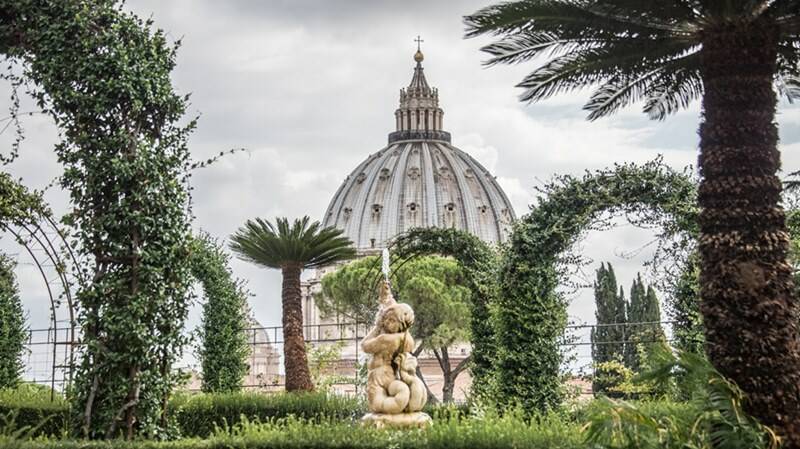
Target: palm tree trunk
[749, 311]
[298, 376]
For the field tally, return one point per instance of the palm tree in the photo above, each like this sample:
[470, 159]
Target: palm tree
[734, 55]
[291, 249]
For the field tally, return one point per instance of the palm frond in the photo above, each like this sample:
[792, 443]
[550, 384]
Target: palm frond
[788, 86]
[303, 242]
[792, 182]
[618, 92]
[784, 9]
[666, 16]
[595, 66]
[581, 17]
[675, 88]
[529, 44]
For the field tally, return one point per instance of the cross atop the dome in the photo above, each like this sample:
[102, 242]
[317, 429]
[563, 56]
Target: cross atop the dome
[418, 56]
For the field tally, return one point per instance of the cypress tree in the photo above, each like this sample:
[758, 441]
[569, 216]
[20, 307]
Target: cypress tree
[607, 338]
[643, 308]
[12, 326]
[685, 310]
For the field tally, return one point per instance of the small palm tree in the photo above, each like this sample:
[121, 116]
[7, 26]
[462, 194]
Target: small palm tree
[291, 249]
[734, 55]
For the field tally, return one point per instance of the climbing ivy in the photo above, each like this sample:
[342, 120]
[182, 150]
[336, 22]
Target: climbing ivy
[479, 264]
[223, 347]
[18, 205]
[103, 76]
[12, 326]
[531, 314]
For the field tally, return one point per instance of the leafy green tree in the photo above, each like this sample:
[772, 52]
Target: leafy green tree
[12, 326]
[223, 338]
[292, 248]
[608, 338]
[433, 286]
[667, 54]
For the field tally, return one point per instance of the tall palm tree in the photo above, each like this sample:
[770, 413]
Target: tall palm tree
[734, 55]
[291, 249]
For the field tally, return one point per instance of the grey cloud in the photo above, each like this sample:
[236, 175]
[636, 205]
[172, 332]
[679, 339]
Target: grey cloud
[310, 88]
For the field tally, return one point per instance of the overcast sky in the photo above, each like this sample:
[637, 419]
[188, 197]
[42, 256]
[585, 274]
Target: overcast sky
[309, 88]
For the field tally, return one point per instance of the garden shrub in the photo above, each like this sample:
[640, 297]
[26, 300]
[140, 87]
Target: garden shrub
[507, 432]
[447, 410]
[200, 415]
[31, 410]
[13, 330]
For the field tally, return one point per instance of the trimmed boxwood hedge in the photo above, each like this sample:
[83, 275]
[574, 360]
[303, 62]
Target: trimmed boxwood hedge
[29, 409]
[295, 434]
[35, 420]
[198, 415]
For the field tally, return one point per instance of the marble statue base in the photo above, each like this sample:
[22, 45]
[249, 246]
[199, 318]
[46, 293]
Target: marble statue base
[401, 420]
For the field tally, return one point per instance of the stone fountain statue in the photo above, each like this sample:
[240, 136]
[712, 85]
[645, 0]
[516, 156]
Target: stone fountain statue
[395, 395]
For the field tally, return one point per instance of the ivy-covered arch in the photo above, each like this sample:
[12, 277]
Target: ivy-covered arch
[104, 76]
[478, 262]
[26, 216]
[531, 315]
[223, 334]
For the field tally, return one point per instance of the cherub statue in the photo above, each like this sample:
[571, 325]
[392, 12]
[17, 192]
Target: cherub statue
[418, 393]
[392, 385]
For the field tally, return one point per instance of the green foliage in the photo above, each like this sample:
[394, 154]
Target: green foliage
[223, 339]
[713, 418]
[506, 432]
[626, 51]
[642, 308]
[292, 248]
[12, 326]
[608, 339]
[685, 309]
[617, 380]
[432, 285]
[610, 378]
[479, 266]
[125, 165]
[200, 415]
[305, 243]
[103, 76]
[530, 314]
[30, 410]
[322, 359]
[18, 205]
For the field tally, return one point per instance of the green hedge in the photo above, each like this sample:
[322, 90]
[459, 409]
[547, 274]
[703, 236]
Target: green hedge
[294, 434]
[198, 415]
[31, 411]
